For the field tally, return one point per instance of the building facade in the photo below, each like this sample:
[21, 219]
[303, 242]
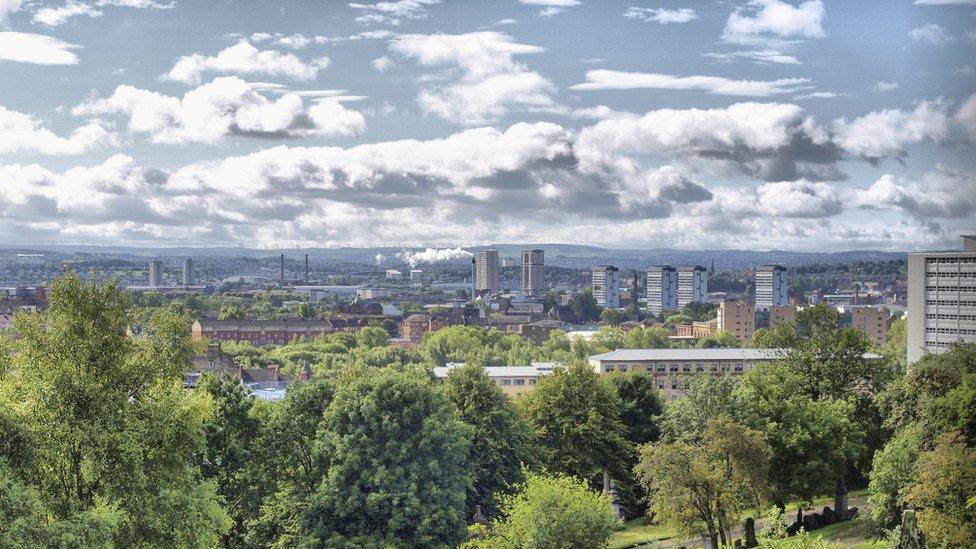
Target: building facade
[260, 332]
[692, 285]
[606, 286]
[486, 271]
[738, 318]
[188, 279]
[873, 322]
[772, 287]
[662, 289]
[782, 314]
[514, 381]
[941, 299]
[155, 273]
[533, 272]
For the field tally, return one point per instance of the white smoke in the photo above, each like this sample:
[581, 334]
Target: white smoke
[379, 259]
[433, 255]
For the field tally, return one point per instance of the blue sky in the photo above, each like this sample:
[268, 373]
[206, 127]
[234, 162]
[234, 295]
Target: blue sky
[699, 124]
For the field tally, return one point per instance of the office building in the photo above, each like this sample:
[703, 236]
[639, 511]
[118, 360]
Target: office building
[155, 273]
[772, 287]
[486, 272]
[738, 318]
[692, 285]
[188, 272]
[416, 275]
[662, 289]
[782, 314]
[514, 381]
[606, 286]
[941, 299]
[533, 272]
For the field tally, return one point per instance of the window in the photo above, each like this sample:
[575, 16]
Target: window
[506, 382]
[520, 381]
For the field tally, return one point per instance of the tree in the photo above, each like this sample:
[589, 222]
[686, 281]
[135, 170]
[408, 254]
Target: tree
[232, 312]
[892, 472]
[946, 479]
[306, 310]
[585, 307]
[702, 488]
[722, 339]
[502, 442]
[394, 456]
[576, 418]
[229, 457]
[811, 439]
[113, 435]
[706, 397]
[641, 407]
[549, 512]
[895, 348]
[613, 317]
[372, 336]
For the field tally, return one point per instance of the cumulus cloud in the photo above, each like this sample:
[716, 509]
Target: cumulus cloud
[38, 49]
[944, 193]
[21, 133]
[663, 16]
[226, 106]
[886, 133]
[244, 58]
[490, 81]
[931, 33]
[773, 19]
[7, 7]
[393, 12]
[602, 79]
[966, 117]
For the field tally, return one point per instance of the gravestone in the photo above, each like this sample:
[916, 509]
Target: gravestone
[840, 502]
[750, 531]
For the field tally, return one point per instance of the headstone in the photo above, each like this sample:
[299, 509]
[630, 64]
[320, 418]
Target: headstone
[910, 537]
[610, 489]
[707, 543]
[840, 502]
[750, 531]
[810, 522]
[479, 517]
[827, 516]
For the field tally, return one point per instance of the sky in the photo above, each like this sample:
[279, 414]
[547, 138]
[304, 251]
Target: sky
[812, 125]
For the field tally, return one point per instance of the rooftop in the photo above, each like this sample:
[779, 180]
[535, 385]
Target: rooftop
[533, 370]
[637, 355]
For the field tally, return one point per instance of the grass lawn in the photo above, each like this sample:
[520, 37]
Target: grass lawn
[635, 531]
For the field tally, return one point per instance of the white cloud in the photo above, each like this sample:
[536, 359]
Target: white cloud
[943, 193]
[885, 133]
[818, 95]
[798, 199]
[603, 79]
[226, 106]
[762, 57]
[765, 19]
[661, 15]
[931, 33]
[244, 58]
[551, 7]
[393, 12]
[7, 7]
[491, 80]
[36, 48]
[966, 117]
[884, 86]
[21, 133]
[54, 16]
[382, 63]
[965, 70]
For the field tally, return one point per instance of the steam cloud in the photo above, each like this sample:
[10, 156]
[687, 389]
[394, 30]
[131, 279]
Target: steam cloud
[433, 255]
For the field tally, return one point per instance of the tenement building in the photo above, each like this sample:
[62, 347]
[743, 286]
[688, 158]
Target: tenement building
[941, 299]
[606, 286]
[662, 289]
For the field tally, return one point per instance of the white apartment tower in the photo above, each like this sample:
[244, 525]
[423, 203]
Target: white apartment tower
[533, 267]
[941, 299]
[772, 287]
[486, 271]
[692, 285]
[155, 273]
[662, 289]
[606, 286]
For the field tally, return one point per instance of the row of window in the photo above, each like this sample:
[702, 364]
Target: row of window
[950, 260]
[674, 368]
[517, 381]
[950, 331]
[951, 302]
[950, 317]
[950, 288]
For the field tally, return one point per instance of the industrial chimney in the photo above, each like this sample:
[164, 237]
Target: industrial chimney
[282, 270]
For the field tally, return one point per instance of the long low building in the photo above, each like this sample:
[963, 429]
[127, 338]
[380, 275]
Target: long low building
[260, 332]
[672, 369]
[515, 381]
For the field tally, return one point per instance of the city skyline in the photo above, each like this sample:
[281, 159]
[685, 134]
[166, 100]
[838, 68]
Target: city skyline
[765, 124]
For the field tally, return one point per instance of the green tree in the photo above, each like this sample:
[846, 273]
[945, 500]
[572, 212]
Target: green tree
[641, 407]
[613, 317]
[113, 435]
[394, 455]
[706, 397]
[895, 348]
[892, 472]
[372, 336]
[585, 307]
[723, 339]
[702, 488]
[229, 457]
[550, 512]
[576, 418]
[946, 479]
[502, 442]
[232, 312]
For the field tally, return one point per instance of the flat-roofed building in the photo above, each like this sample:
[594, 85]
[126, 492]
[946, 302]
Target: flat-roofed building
[662, 289]
[188, 272]
[737, 318]
[486, 271]
[692, 285]
[606, 286]
[514, 381]
[873, 322]
[155, 273]
[772, 287]
[782, 314]
[533, 272]
[260, 332]
[941, 299]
